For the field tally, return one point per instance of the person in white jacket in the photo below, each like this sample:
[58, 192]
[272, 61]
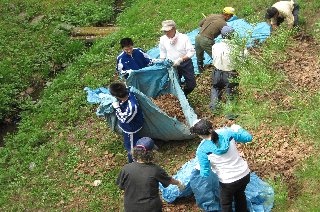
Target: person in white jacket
[177, 47]
[218, 151]
[283, 11]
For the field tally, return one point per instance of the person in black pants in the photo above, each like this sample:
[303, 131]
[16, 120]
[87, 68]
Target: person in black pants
[218, 151]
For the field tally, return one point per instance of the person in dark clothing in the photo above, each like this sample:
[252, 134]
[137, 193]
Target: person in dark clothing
[131, 58]
[140, 179]
[129, 114]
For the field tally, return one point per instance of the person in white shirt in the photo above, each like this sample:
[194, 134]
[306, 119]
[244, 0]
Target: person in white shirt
[177, 47]
[283, 11]
[224, 55]
[218, 152]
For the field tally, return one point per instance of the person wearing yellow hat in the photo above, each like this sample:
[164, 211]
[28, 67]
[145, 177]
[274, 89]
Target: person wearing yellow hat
[210, 28]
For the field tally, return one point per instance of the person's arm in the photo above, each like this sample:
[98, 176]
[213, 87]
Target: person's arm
[239, 134]
[190, 50]
[290, 20]
[205, 166]
[177, 183]
[163, 50]
[147, 58]
[120, 67]
[166, 180]
[121, 180]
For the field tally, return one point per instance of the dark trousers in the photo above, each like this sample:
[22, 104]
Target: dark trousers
[186, 70]
[295, 13]
[223, 80]
[127, 138]
[234, 191]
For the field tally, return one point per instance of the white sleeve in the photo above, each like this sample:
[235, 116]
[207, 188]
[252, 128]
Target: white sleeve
[163, 51]
[189, 48]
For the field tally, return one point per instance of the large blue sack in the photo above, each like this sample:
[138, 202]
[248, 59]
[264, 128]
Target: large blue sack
[260, 195]
[149, 82]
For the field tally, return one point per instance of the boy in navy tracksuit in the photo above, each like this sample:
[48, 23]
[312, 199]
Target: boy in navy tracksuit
[131, 58]
[129, 115]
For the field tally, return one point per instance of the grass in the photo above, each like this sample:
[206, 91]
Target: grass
[71, 147]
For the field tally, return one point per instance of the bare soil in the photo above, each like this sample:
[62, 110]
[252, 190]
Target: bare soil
[302, 65]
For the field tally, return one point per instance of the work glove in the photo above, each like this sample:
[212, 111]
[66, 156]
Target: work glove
[181, 186]
[155, 60]
[235, 127]
[177, 61]
[115, 105]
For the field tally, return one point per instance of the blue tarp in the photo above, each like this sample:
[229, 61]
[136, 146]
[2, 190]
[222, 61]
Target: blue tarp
[260, 195]
[252, 34]
[148, 82]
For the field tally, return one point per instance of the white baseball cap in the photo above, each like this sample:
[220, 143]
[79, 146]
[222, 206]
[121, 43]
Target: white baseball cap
[167, 25]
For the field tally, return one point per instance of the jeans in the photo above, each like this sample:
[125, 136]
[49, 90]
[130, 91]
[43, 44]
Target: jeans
[203, 44]
[223, 80]
[234, 191]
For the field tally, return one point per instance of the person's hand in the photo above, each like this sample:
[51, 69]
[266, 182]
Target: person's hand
[181, 186]
[235, 127]
[129, 71]
[177, 61]
[115, 105]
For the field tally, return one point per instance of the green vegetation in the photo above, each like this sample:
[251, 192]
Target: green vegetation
[61, 147]
[35, 47]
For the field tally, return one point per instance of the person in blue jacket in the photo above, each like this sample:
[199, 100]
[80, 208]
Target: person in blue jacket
[131, 58]
[129, 114]
[218, 152]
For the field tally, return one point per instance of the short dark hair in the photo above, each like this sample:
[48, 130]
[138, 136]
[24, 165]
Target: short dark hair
[272, 11]
[118, 89]
[126, 42]
[143, 155]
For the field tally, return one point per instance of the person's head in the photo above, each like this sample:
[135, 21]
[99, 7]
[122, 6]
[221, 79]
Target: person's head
[271, 12]
[227, 32]
[127, 45]
[204, 128]
[143, 151]
[119, 90]
[169, 28]
[228, 12]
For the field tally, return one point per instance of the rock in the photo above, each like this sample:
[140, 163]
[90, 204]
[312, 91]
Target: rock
[96, 183]
[37, 19]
